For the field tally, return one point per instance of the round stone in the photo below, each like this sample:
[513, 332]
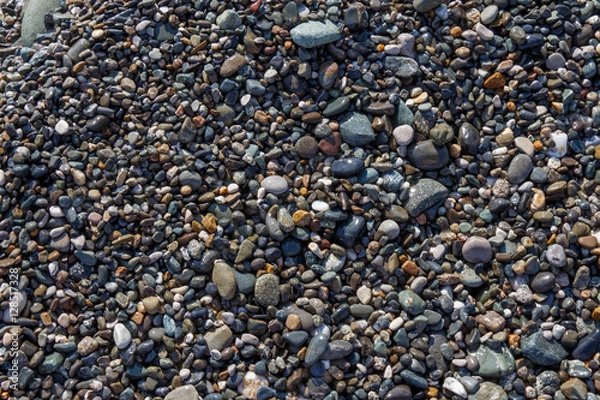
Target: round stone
[266, 290]
[555, 254]
[275, 184]
[307, 147]
[555, 61]
[61, 127]
[403, 135]
[477, 250]
[543, 282]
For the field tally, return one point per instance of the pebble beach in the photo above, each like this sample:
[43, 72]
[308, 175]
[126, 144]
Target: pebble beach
[310, 199]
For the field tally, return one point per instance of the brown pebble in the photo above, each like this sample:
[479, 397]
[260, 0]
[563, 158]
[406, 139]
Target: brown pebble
[331, 144]
[494, 81]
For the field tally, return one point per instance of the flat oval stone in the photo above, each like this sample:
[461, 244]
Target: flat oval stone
[224, 278]
[347, 167]
[541, 351]
[400, 392]
[477, 250]
[275, 184]
[315, 33]
[519, 169]
[543, 282]
[98, 123]
[337, 106]
[327, 74]
[316, 348]
[423, 6]
[427, 156]
[337, 349]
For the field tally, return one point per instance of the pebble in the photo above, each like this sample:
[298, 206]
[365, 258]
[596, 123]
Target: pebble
[346, 167]
[519, 169]
[424, 6]
[541, 351]
[427, 156]
[219, 338]
[426, 194]
[315, 33]
[356, 129]
[316, 348]
[266, 290]
[403, 135]
[61, 127]
[477, 250]
[121, 336]
[224, 278]
[275, 184]
[555, 254]
[185, 392]
[229, 20]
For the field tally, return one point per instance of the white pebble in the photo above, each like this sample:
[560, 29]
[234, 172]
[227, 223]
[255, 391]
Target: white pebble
[61, 127]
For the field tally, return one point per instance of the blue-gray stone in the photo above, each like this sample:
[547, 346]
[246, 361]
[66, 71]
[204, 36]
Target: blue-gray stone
[290, 247]
[537, 349]
[413, 379]
[254, 87]
[337, 106]
[404, 116]
[494, 362]
[337, 349]
[586, 348]
[403, 67]
[368, 175]
[427, 156]
[296, 338]
[315, 33]
[229, 20]
[86, 257]
[51, 363]
[346, 167]
[348, 232]
[519, 169]
[411, 302]
[392, 181]
[316, 348]
[426, 194]
[33, 19]
[423, 6]
[356, 129]
[190, 178]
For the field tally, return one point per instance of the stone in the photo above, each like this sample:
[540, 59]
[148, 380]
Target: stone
[468, 139]
[266, 290]
[190, 178]
[519, 169]
[441, 134]
[489, 391]
[454, 387]
[400, 392]
[402, 67]
[543, 282]
[347, 167]
[327, 74]
[185, 392]
[477, 250]
[494, 362]
[33, 24]
[275, 184]
[525, 145]
[229, 20]
[219, 338]
[494, 81]
[489, 14]
[223, 277]
[349, 231]
[51, 363]
[427, 156]
[555, 61]
[121, 336]
[425, 195]
[560, 147]
[337, 349]
[411, 302]
[356, 129]
[587, 346]
[389, 228]
[316, 348]
[61, 127]
[87, 346]
[315, 33]
[423, 6]
[574, 389]
[540, 351]
[356, 17]
[492, 321]
[232, 65]
[403, 135]
[555, 255]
